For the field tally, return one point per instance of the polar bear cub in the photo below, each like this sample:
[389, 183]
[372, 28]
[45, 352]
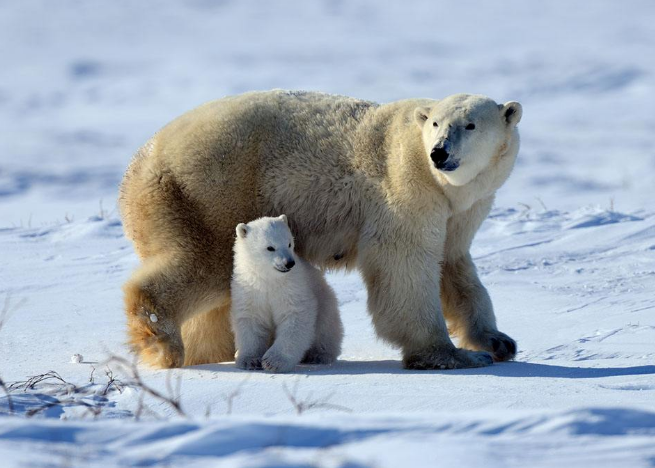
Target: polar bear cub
[283, 310]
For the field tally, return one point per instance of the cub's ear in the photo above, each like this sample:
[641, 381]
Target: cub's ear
[511, 112]
[421, 115]
[242, 230]
[284, 218]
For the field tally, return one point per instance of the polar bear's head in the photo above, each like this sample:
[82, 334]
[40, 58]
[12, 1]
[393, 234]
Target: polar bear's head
[463, 133]
[265, 244]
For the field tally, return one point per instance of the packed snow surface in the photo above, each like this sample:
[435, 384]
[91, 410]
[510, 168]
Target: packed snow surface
[568, 253]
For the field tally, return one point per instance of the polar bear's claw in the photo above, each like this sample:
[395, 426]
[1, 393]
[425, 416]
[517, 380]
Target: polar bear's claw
[276, 362]
[498, 344]
[316, 356]
[249, 363]
[443, 358]
[504, 348]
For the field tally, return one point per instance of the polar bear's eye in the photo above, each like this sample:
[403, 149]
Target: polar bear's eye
[270, 249]
[470, 126]
[289, 245]
[435, 124]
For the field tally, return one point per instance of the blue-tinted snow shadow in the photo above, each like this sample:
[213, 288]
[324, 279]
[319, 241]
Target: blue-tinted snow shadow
[504, 369]
[52, 407]
[529, 369]
[176, 442]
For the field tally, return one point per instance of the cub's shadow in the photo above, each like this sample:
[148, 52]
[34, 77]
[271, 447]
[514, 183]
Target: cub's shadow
[505, 369]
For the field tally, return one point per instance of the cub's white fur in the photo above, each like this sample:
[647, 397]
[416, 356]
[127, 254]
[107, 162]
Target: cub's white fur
[283, 310]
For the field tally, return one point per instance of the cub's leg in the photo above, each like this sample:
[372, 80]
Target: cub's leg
[252, 338]
[252, 330]
[465, 301]
[403, 300]
[293, 336]
[329, 329]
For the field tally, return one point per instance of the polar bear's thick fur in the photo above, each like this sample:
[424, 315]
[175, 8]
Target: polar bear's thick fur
[279, 298]
[396, 190]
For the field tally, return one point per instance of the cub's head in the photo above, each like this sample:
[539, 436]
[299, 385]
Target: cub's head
[463, 133]
[266, 244]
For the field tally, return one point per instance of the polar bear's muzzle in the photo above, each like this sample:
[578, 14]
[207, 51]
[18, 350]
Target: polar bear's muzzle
[442, 160]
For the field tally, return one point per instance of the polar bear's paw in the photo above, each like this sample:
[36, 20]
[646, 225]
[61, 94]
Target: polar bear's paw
[501, 346]
[249, 362]
[318, 356]
[274, 361]
[156, 346]
[446, 357]
[504, 347]
[164, 353]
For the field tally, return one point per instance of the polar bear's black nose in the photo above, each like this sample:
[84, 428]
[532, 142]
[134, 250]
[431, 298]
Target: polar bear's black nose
[289, 264]
[439, 157]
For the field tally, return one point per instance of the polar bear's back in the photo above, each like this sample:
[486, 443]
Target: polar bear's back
[278, 122]
[257, 154]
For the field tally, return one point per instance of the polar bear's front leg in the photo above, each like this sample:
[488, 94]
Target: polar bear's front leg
[469, 310]
[465, 301]
[403, 300]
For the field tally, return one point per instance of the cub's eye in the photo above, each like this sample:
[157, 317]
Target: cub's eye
[470, 126]
[270, 249]
[289, 245]
[435, 124]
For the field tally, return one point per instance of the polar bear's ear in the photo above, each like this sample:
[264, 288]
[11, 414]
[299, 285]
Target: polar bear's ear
[284, 218]
[242, 230]
[421, 114]
[512, 112]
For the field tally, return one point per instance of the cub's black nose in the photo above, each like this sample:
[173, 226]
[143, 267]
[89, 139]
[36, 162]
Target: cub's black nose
[439, 157]
[289, 264]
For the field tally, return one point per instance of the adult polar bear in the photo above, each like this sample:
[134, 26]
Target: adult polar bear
[396, 190]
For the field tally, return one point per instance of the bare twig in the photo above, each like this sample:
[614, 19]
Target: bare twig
[10, 401]
[55, 385]
[30, 383]
[139, 407]
[112, 382]
[4, 315]
[308, 403]
[8, 309]
[230, 397]
[526, 207]
[173, 399]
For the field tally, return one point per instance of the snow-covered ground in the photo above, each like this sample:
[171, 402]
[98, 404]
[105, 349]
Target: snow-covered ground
[568, 254]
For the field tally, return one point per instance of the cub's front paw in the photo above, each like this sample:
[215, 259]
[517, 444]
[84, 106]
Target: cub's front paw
[446, 357]
[249, 362]
[317, 356]
[273, 361]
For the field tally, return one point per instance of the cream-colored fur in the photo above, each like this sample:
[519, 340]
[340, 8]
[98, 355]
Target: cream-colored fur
[283, 310]
[359, 183]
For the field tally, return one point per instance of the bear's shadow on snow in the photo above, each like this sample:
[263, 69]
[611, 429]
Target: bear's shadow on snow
[505, 369]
